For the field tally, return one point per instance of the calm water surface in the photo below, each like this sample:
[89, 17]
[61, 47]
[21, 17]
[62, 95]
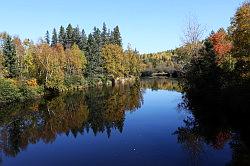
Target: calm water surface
[130, 125]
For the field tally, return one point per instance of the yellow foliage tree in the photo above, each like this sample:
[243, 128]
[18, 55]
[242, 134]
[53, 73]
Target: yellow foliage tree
[134, 63]
[29, 67]
[48, 67]
[240, 29]
[113, 60]
[20, 52]
[75, 61]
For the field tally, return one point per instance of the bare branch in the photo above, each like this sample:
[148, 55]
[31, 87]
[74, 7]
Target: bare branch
[193, 31]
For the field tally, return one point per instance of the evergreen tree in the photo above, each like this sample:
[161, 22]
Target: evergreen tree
[77, 36]
[54, 38]
[69, 36]
[93, 58]
[104, 35]
[97, 37]
[9, 52]
[116, 36]
[62, 36]
[83, 41]
[47, 37]
[109, 37]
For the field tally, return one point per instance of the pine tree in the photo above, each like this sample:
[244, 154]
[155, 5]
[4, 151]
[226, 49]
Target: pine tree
[93, 58]
[47, 37]
[54, 38]
[62, 36]
[109, 37]
[77, 36]
[97, 37]
[116, 36]
[104, 35]
[83, 41]
[9, 52]
[69, 36]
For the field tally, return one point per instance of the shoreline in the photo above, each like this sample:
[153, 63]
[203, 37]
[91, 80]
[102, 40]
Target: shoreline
[55, 92]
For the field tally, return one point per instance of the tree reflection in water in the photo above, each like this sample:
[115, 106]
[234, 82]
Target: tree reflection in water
[218, 118]
[160, 84]
[189, 137]
[99, 110]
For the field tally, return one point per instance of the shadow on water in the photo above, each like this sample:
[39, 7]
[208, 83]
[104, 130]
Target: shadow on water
[219, 118]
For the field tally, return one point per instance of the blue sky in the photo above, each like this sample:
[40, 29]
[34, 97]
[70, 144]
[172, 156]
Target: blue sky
[149, 25]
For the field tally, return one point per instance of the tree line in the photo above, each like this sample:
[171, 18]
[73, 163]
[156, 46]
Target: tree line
[222, 60]
[160, 64]
[224, 53]
[68, 59]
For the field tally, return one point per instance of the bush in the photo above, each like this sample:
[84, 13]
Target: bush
[29, 92]
[95, 82]
[72, 82]
[9, 91]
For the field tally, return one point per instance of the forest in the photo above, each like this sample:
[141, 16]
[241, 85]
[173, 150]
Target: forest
[81, 96]
[218, 64]
[221, 62]
[69, 59]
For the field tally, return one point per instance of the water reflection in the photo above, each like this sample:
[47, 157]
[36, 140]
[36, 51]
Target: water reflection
[218, 119]
[99, 110]
[160, 83]
[212, 121]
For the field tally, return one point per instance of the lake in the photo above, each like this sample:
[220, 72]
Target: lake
[146, 124]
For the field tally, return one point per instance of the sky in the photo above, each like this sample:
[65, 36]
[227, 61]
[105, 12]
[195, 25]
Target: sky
[148, 25]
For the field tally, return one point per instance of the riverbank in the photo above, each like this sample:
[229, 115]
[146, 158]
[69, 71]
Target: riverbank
[168, 74]
[12, 90]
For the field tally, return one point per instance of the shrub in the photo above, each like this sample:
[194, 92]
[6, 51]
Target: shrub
[29, 92]
[12, 90]
[9, 91]
[72, 82]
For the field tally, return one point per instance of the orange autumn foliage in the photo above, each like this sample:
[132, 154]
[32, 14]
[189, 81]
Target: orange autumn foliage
[221, 44]
[32, 83]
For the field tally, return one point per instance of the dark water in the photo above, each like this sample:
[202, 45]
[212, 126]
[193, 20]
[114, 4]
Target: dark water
[141, 124]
